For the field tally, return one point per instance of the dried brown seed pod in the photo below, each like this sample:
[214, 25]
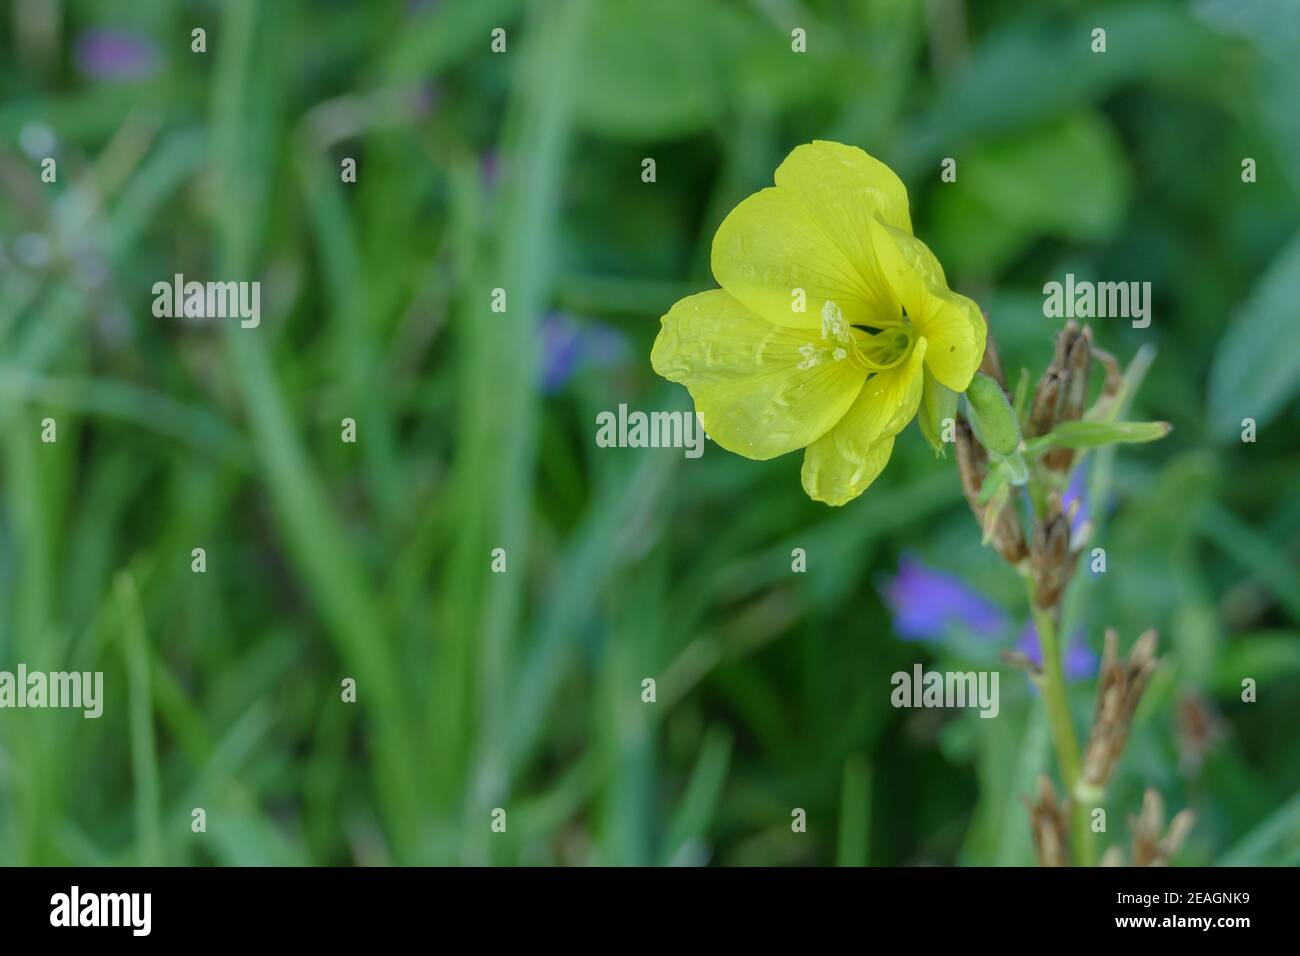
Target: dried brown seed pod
[1151, 843]
[1006, 535]
[1051, 562]
[1074, 349]
[1120, 685]
[1047, 823]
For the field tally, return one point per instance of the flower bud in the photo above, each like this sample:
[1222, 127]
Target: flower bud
[1120, 684]
[1076, 363]
[1062, 391]
[1152, 843]
[1051, 562]
[994, 418]
[1047, 401]
[1074, 350]
[1047, 822]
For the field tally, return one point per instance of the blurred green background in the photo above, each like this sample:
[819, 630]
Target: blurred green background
[522, 170]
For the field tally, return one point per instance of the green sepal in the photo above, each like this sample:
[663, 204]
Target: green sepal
[1084, 434]
[937, 413]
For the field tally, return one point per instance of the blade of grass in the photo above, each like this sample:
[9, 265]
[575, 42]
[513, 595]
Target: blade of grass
[1256, 554]
[242, 120]
[144, 751]
[853, 848]
[139, 406]
[495, 473]
[1274, 842]
[694, 815]
[356, 353]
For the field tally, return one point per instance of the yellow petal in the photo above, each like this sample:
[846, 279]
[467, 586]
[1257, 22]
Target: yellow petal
[838, 180]
[831, 478]
[763, 389]
[842, 463]
[887, 402]
[951, 322]
[956, 329]
[842, 189]
[770, 247]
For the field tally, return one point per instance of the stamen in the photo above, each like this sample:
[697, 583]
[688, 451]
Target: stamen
[834, 325]
[869, 351]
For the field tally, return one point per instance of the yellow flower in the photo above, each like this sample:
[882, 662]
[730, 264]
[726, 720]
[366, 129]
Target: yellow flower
[831, 320]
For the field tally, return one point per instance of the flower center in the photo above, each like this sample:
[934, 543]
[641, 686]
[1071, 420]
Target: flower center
[887, 348]
[868, 351]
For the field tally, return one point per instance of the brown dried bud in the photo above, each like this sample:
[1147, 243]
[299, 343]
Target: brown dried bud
[1006, 535]
[991, 364]
[1114, 377]
[1120, 685]
[1199, 729]
[1046, 404]
[1074, 350]
[1047, 822]
[1021, 662]
[972, 463]
[1152, 844]
[1051, 562]
[1077, 364]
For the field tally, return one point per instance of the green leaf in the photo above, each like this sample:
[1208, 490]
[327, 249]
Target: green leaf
[1256, 368]
[1273, 26]
[1013, 466]
[1274, 842]
[1096, 435]
[1000, 87]
[1020, 400]
[446, 34]
[654, 71]
[1265, 559]
[144, 749]
[993, 483]
[1066, 177]
[699, 804]
[996, 503]
[1267, 656]
[853, 846]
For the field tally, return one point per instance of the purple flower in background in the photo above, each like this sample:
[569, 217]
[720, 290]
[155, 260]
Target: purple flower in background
[926, 603]
[424, 97]
[568, 346]
[1077, 491]
[1078, 662]
[561, 345]
[115, 55]
[489, 169]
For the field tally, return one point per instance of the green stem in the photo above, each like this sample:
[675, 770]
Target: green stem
[1062, 728]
